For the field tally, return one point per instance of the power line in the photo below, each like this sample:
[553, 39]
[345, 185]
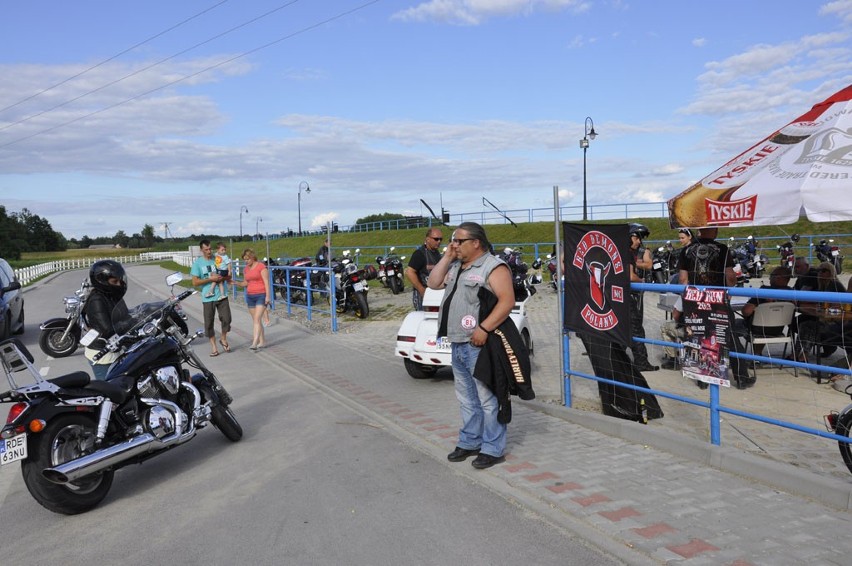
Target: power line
[206, 69]
[116, 56]
[143, 69]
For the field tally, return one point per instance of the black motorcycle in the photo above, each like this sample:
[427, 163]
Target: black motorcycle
[787, 254]
[663, 262]
[827, 251]
[297, 280]
[60, 336]
[72, 433]
[350, 285]
[390, 271]
[520, 282]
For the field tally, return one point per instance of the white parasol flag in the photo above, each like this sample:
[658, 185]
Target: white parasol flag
[803, 168]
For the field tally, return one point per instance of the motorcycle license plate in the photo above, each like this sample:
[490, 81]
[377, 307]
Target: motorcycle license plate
[358, 286]
[835, 253]
[658, 266]
[13, 449]
[444, 345]
[390, 273]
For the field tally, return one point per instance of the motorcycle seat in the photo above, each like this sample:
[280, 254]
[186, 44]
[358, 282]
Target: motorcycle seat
[108, 389]
[75, 379]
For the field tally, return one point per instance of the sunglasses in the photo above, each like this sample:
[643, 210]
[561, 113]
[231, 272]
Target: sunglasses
[437, 239]
[462, 240]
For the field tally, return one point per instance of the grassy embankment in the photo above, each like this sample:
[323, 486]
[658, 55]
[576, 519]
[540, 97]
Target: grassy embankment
[500, 235]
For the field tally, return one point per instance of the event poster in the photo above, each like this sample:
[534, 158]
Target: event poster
[707, 316]
[597, 280]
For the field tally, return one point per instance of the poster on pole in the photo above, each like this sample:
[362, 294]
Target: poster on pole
[708, 320]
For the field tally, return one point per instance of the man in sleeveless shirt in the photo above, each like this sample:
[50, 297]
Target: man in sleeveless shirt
[465, 267]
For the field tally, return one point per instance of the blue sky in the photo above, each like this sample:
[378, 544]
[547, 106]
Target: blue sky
[114, 115]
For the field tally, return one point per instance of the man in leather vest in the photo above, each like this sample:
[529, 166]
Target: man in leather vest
[466, 266]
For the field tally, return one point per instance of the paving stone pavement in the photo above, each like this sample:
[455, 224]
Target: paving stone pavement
[659, 493]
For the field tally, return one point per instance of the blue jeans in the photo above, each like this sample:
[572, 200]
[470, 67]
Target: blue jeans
[480, 428]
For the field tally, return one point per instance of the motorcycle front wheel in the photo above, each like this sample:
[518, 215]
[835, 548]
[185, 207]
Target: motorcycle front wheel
[844, 426]
[52, 343]
[223, 419]
[838, 265]
[395, 285]
[65, 438]
[362, 310]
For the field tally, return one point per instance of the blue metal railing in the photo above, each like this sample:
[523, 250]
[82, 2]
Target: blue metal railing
[715, 408]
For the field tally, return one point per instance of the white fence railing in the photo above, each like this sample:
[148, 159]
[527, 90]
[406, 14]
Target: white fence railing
[28, 274]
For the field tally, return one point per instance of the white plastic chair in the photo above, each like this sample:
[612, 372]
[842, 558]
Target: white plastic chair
[774, 314]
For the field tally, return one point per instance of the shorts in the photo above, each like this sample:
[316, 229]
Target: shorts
[222, 272]
[255, 300]
[211, 309]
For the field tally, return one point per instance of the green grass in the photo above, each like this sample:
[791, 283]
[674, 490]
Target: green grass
[372, 243]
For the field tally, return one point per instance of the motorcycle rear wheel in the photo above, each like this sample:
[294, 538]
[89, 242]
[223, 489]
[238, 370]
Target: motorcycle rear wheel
[844, 428]
[395, 285]
[362, 309]
[223, 419]
[65, 438]
[52, 344]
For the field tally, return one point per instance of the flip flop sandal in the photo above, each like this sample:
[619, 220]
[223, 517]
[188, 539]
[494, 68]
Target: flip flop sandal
[214, 354]
[225, 345]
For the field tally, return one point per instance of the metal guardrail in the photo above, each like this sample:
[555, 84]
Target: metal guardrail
[716, 409]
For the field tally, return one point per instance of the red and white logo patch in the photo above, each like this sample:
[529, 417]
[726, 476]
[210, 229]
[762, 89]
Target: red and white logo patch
[468, 322]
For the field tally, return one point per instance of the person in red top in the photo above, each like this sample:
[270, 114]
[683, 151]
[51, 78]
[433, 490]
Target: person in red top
[258, 295]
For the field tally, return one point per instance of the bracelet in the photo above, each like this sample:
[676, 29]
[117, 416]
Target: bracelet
[485, 331]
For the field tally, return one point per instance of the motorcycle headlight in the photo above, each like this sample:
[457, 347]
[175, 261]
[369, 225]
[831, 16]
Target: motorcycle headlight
[71, 304]
[168, 378]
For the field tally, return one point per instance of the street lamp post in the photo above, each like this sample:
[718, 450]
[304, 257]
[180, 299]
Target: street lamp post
[243, 208]
[588, 134]
[303, 185]
[256, 221]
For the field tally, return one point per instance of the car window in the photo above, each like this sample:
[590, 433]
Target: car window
[6, 274]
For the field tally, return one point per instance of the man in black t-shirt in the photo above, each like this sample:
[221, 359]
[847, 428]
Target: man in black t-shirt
[421, 263]
[707, 262]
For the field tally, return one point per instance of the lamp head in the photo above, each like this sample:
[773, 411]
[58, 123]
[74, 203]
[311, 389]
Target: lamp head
[593, 134]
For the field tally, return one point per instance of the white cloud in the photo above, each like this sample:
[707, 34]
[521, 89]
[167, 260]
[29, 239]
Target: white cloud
[699, 41]
[475, 12]
[840, 8]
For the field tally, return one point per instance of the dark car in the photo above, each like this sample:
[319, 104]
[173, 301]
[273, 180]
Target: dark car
[11, 302]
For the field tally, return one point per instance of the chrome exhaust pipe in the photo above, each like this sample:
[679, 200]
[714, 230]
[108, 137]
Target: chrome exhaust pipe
[101, 459]
[112, 455]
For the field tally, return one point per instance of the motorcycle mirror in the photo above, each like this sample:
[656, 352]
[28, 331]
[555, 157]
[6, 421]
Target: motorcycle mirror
[392, 248]
[345, 253]
[402, 258]
[357, 250]
[174, 278]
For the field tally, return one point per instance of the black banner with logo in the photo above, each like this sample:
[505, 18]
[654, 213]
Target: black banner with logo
[597, 280]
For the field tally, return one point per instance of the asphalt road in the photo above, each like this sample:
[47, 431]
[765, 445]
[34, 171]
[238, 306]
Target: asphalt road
[314, 481]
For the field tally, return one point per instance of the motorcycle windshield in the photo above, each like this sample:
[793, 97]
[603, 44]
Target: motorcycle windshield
[124, 319]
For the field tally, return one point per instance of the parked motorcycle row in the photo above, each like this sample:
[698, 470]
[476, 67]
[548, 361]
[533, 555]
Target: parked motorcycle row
[71, 433]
